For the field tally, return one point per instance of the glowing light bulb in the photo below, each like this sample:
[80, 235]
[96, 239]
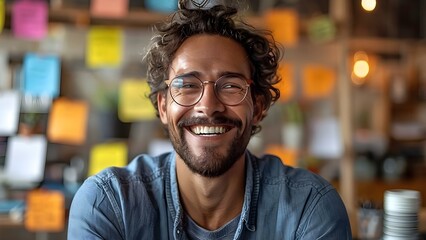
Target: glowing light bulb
[361, 68]
[368, 5]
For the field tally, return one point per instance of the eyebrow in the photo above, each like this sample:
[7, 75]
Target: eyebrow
[221, 74]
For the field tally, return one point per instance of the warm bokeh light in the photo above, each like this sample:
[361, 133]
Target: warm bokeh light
[368, 5]
[361, 68]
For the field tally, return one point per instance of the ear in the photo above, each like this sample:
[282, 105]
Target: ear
[259, 109]
[162, 107]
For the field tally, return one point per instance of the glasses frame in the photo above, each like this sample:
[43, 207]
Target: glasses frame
[203, 83]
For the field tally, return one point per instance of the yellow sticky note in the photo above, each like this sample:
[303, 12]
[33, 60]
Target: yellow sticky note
[104, 47]
[68, 121]
[107, 155]
[288, 156]
[318, 81]
[45, 211]
[133, 101]
[284, 24]
[286, 85]
[109, 8]
[2, 14]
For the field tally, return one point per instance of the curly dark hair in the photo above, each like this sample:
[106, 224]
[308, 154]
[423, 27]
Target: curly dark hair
[262, 51]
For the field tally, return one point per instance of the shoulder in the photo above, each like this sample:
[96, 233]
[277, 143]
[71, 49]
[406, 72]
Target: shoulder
[140, 172]
[311, 202]
[274, 171]
[143, 168]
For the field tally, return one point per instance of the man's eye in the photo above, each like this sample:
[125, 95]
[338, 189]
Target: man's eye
[189, 85]
[231, 86]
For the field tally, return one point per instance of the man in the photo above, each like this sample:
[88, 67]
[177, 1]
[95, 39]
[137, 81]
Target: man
[212, 84]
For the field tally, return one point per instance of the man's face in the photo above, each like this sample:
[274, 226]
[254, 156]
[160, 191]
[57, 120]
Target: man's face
[209, 136]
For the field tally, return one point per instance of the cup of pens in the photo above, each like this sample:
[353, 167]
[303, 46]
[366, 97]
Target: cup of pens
[370, 221]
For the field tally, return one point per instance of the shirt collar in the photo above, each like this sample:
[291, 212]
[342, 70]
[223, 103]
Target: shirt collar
[249, 210]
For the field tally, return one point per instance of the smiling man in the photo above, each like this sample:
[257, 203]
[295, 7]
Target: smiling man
[212, 82]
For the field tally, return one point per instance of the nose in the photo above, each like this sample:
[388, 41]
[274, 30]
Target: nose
[209, 103]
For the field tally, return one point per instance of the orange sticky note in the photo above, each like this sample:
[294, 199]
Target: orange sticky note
[68, 121]
[288, 156]
[45, 211]
[109, 8]
[104, 46]
[318, 81]
[284, 24]
[286, 85]
[133, 101]
[107, 155]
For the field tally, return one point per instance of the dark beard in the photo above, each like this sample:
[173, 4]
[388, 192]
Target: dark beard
[211, 163]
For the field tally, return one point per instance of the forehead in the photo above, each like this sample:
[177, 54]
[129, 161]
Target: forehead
[210, 53]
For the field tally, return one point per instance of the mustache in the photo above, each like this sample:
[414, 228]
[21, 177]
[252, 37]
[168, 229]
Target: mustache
[220, 120]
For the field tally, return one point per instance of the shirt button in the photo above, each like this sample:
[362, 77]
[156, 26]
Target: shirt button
[178, 231]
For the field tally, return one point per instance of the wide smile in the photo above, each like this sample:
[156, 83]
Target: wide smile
[203, 130]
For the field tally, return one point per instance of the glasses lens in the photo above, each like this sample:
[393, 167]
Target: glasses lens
[186, 90]
[231, 90]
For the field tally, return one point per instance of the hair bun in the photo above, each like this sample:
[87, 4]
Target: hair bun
[200, 4]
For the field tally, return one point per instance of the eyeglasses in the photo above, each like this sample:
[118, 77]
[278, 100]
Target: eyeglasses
[187, 90]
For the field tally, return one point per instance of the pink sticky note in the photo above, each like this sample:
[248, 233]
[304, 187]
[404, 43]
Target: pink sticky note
[109, 8]
[29, 19]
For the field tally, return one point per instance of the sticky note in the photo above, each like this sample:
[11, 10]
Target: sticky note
[25, 159]
[284, 25]
[286, 85]
[2, 14]
[133, 101]
[67, 121]
[288, 156]
[163, 5]
[318, 81]
[107, 155]
[45, 211]
[109, 8]
[41, 75]
[325, 141]
[104, 47]
[29, 19]
[321, 29]
[9, 112]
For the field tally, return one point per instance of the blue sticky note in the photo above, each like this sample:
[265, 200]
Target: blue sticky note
[41, 75]
[161, 6]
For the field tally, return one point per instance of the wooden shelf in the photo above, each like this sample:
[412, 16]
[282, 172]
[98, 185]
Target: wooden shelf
[136, 17]
[82, 16]
[375, 190]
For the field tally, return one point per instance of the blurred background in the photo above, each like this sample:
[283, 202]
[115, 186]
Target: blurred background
[73, 98]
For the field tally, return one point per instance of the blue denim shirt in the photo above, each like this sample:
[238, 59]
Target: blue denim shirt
[141, 201]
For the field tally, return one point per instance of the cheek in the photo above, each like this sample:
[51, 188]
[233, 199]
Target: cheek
[175, 112]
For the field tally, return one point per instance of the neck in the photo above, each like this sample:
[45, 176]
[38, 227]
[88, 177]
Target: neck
[212, 202]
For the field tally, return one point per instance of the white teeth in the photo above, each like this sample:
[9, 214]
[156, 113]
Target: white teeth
[208, 130]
